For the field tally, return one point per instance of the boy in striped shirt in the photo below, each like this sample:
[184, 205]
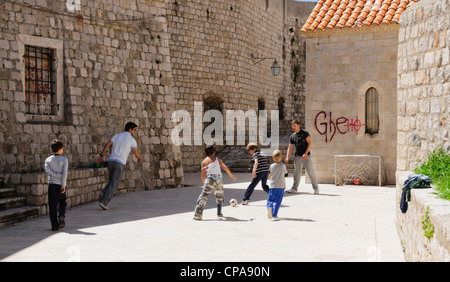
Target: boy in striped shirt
[260, 172]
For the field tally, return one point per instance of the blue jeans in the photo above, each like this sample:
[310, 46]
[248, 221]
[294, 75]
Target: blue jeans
[115, 170]
[275, 199]
[262, 176]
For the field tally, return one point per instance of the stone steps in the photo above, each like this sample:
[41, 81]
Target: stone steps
[13, 208]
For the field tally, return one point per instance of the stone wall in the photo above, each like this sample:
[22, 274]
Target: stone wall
[425, 212]
[120, 61]
[83, 186]
[423, 123]
[341, 66]
[112, 64]
[211, 48]
[423, 82]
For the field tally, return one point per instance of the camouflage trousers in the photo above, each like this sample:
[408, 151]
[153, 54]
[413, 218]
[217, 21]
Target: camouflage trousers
[209, 186]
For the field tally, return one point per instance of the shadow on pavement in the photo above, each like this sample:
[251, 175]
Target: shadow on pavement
[130, 207]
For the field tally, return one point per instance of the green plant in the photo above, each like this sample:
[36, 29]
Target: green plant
[437, 167]
[427, 226]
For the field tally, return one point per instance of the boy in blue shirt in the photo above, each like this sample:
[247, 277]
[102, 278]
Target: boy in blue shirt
[57, 167]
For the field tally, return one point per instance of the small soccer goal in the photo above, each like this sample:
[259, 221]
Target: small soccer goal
[359, 170]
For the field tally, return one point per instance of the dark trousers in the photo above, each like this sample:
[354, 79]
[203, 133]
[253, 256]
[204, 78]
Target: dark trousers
[54, 198]
[262, 176]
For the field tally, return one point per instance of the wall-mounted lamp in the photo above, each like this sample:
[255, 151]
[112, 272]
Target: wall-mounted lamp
[275, 66]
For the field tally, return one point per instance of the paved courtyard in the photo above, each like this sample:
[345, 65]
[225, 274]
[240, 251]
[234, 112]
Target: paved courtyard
[342, 224]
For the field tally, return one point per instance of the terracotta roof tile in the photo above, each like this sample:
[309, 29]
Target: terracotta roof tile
[329, 14]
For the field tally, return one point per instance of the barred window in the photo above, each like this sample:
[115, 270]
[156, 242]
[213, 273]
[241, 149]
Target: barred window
[372, 112]
[39, 80]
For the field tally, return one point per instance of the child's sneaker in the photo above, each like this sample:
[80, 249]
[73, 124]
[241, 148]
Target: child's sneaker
[274, 218]
[245, 203]
[220, 215]
[197, 217]
[269, 212]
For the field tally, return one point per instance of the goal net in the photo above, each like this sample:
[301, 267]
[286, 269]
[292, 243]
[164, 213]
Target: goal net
[359, 169]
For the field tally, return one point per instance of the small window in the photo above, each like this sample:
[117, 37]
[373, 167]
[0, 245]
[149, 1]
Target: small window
[372, 113]
[39, 80]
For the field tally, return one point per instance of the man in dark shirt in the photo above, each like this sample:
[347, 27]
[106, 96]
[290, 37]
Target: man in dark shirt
[302, 142]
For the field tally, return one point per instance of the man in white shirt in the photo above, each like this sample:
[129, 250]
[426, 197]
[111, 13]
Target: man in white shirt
[122, 144]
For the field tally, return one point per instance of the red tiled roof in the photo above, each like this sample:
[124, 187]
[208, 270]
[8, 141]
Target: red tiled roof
[329, 14]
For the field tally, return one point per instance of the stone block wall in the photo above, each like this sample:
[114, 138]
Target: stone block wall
[121, 61]
[83, 186]
[425, 212]
[211, 47]
[423, 102]
[112, 64]
[423, 82]
[341, 66]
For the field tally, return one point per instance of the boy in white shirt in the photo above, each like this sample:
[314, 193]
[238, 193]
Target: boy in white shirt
[212, 181]
[122, 144]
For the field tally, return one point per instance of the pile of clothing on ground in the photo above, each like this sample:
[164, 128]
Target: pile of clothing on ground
[413, 181]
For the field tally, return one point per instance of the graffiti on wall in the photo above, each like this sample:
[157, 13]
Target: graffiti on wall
[327, 126]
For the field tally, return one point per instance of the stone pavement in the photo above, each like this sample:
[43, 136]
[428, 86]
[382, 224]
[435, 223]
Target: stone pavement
[342, 224]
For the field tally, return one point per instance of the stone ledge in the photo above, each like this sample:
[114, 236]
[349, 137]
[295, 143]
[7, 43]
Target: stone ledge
[83, 186]
[416, 246]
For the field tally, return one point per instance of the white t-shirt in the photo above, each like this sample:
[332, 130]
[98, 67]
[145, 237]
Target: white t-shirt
[121, 147]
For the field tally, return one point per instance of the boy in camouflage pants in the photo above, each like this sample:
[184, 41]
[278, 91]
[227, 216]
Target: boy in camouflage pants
[212, 181]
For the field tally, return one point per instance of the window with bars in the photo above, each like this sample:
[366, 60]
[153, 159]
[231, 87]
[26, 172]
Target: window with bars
[372, 111]
[40, 80]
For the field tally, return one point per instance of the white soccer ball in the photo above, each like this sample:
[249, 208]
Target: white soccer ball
[233, 202]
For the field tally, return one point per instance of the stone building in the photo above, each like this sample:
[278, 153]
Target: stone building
[351, 82]
[78, 70]
[216, 50]
[423, 89]
[423, 105]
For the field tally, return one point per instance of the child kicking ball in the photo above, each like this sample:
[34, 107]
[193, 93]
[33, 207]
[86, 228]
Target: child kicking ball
[212, 181]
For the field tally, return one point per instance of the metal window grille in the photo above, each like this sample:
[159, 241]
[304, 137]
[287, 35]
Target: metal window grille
[39, 80]
[372, 116]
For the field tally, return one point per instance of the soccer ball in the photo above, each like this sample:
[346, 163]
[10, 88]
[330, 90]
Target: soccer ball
[233, 202]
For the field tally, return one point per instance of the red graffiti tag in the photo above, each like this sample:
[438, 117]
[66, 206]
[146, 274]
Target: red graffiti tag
[329, 127]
